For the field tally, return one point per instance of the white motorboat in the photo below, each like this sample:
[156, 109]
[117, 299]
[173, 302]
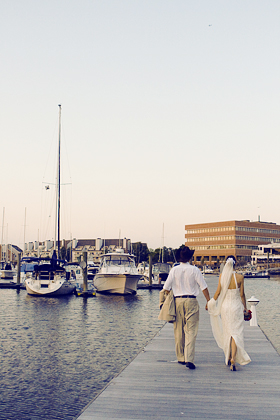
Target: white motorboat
[8, 275]
[74, 273]
[117, 273]
[7, 272]
[207, 270]
[92, 269]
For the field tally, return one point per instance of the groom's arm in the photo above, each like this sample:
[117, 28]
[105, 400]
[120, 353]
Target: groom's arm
[207, 296]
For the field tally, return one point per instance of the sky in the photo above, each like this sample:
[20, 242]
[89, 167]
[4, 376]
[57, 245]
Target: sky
[170, 116]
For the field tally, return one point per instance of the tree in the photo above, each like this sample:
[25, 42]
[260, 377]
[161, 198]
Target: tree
[63, 252]
[140, 251]
[165, 254]
[154, 255]
[68, 254]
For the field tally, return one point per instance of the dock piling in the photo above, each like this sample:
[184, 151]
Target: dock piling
[150, 270]
[85, 282]
[18, 268]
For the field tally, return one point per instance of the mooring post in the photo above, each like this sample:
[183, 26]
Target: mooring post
[85, 284]
[150, 270]
[18, 268]
[253, 302]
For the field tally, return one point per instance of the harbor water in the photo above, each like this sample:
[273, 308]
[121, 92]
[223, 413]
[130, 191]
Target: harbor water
[56, 355]
[268, 309]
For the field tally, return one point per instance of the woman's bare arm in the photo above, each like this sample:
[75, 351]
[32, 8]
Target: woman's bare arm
[242, 294]
[218, 291]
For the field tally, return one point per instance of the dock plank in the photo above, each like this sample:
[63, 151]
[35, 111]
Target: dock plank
[155, 386]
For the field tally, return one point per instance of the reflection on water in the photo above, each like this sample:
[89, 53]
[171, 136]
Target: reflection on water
[57, 354]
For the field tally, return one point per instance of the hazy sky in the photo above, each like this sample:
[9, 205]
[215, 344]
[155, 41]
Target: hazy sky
[170, 115]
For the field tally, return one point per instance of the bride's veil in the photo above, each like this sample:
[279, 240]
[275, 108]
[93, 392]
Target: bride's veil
[214, 306]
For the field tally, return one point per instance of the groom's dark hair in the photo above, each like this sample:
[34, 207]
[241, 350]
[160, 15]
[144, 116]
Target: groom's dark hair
[186, 254]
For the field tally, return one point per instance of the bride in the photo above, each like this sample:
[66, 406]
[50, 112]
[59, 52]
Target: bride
[227, 315]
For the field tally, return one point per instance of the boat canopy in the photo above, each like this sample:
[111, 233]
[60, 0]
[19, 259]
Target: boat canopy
[48, 267]
[115, 259]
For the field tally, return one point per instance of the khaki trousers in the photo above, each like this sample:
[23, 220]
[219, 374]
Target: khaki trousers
[186, 328]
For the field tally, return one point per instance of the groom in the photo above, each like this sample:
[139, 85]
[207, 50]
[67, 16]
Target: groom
[185, 280]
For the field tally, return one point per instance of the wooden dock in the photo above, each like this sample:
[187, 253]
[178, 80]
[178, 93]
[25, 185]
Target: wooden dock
[155, 386]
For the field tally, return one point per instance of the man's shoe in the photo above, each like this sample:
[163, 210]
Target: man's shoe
[190, 365]
[182, 363]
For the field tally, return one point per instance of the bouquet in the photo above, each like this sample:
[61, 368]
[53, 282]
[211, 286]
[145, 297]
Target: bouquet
[247, 315]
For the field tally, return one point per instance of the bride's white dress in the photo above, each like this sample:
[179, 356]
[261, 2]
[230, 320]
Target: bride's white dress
[233, 326]
[230, 323]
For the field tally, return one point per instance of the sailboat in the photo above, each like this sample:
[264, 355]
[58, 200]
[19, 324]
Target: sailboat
[49, 277]
[7, 271]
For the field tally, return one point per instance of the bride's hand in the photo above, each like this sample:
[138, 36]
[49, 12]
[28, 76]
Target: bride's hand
[206, 306]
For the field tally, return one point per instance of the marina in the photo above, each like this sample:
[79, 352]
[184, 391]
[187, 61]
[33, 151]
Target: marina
[130, 131]
[57, 354]
[155, 386]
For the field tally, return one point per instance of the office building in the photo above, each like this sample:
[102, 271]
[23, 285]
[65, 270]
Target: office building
[213, 242]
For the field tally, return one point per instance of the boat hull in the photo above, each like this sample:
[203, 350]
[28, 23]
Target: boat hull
[9, 284]
[116, 283]
[49, 288]
[7, 274]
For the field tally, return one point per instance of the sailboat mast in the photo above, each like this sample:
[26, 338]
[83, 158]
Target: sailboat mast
[162, 256]
[24, 228]
[58, 186]
[2, 234]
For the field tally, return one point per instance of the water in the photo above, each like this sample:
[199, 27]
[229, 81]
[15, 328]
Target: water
[268, 309]
[57, 354]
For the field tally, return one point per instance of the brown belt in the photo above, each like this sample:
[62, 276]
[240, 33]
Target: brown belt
[186, 296]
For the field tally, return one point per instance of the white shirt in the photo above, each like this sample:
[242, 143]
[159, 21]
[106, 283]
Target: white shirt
[185, 279]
